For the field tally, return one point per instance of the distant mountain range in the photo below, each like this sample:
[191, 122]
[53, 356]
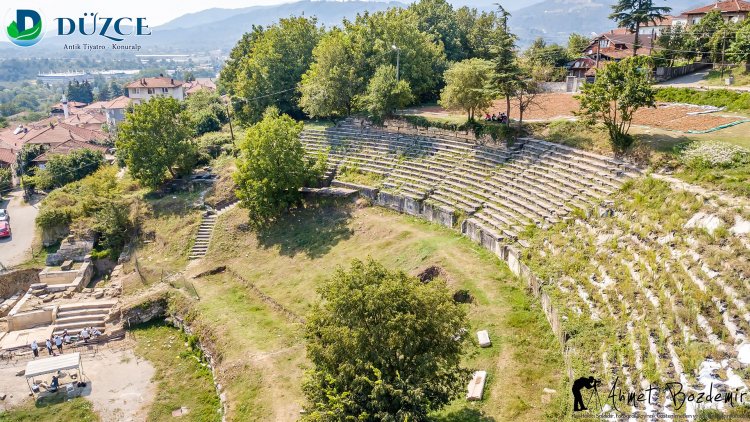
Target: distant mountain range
[218, 28]
[554, 20]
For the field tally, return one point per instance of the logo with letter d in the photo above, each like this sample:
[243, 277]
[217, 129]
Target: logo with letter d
[26, 29]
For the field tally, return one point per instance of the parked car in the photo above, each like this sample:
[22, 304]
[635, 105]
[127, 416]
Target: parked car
[4, 216]
[4, 229]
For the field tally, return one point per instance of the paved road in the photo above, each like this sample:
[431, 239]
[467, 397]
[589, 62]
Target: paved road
[698, 80]
[17, 249]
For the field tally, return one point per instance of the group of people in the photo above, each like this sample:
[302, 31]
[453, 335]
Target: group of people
[58, 340]
[501, 118]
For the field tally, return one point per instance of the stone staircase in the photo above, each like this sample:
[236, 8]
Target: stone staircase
[206, 229]
[75, 317]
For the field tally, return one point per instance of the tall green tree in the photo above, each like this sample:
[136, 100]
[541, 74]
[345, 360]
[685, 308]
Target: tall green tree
[674, 43]
[269, 74]
[244, 47]
[384, 347]
[422, 60]
[103, 93]
[704, 32]
[80, 92]
[437, 17]
[113, 226]
[506, 71]
[63, 169]
[576, 44]
[488, 30]
[329, 88]
[739, 52]
[619, 90]
[155, 140]
[465, 83]
[632, 14]
[25, 156]
[115, 89]
[271, 167]
[385, 93]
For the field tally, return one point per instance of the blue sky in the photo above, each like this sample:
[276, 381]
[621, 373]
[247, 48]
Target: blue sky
[156, 11]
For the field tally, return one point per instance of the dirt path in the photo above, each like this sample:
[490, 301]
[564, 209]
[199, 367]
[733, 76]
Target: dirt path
[17, 248]
[119, 383]
[123, 390]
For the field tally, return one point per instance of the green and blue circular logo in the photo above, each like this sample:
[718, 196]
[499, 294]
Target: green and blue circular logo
[25, 29]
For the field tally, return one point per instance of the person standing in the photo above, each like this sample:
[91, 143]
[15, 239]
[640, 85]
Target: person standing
[58, 343]
[48, 343]
[35, 349]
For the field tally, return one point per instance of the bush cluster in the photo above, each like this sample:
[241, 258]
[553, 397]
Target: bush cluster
[732, 100]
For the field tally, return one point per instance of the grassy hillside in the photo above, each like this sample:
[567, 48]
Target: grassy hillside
[263, 348]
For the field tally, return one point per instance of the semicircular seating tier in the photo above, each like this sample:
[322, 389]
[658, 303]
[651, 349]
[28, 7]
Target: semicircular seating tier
[491, 191]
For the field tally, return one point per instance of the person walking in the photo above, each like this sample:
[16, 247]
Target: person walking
[35, 349]
[48, 343]
[59, 343]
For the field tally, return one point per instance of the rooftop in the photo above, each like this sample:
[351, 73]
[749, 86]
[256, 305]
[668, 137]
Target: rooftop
[160, 82]
[724, 6]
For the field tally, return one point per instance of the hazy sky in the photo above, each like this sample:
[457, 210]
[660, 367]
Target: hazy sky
[155, 11]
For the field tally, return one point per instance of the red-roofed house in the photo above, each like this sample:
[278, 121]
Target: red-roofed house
[115, 110]
[731, 11]
[143, 89]
[200, 84]
[7, 156]
[617, 45]
[66, 148]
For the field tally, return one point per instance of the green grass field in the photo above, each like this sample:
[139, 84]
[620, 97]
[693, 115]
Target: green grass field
[78, 409]
[263, 349]
[181, 378]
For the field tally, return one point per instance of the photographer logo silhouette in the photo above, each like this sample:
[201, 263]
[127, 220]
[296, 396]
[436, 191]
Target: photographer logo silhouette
[587, 383]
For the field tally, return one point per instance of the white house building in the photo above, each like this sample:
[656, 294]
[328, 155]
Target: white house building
[143, 89]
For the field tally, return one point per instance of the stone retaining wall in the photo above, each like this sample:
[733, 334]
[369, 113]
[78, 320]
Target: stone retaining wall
[17, 281]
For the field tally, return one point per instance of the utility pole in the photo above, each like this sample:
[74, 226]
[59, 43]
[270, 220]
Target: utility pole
[598, 52]
[398, 60]
[229, 117]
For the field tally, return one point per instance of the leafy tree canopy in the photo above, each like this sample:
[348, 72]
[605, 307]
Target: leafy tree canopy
[384, 347]
[271, 167]
[329, 88]
[465, 87]
[620, 89]
[155, 140]
[385, 93]
[422, 60]
[275, 60]
[64, 169]
[81, 92]
[577, 43]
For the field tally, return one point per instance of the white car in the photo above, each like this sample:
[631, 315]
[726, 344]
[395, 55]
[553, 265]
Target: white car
[4, 216]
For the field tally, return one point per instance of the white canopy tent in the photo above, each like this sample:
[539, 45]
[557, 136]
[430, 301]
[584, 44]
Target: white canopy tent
[54, 364]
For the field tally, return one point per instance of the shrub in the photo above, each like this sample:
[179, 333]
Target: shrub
[732, 100]
[6, 178]
[715, 154]
[495, 131]
[205, 122]
[64, 169]
[215, 143]
[52, 217]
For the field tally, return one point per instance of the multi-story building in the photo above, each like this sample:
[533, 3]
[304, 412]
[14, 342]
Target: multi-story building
[143, 89]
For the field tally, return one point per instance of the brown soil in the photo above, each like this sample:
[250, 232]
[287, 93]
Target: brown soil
[666, 116]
